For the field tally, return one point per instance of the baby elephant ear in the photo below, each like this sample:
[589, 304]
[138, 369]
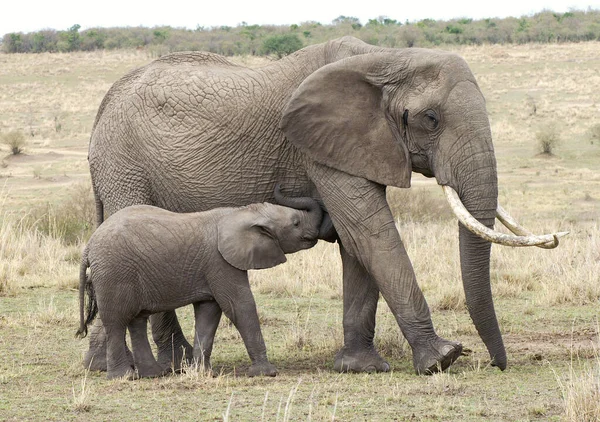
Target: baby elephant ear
[247, 241]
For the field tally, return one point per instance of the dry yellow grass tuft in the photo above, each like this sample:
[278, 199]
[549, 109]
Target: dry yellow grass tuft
[581, 388]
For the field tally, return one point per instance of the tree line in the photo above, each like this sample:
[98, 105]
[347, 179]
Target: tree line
[245, 39]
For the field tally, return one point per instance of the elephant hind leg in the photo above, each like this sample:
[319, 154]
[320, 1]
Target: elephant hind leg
[95, 357]
[117, 361]
[145, 363]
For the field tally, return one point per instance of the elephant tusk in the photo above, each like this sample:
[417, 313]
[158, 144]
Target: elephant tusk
[505, 218]
[471, 223]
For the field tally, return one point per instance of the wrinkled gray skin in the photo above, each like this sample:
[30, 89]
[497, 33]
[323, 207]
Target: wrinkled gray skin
[158, 260]
[337, 121]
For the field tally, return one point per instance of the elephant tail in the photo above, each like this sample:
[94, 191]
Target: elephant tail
[85, 286]
[99, 209]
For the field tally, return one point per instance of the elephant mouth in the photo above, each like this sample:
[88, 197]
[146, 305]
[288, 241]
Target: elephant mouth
[312, 241]
[521, 237]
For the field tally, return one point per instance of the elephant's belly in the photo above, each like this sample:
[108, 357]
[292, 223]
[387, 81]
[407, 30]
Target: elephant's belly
[233, 182]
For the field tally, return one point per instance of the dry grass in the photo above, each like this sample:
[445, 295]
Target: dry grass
[82, 398]
[581, 388]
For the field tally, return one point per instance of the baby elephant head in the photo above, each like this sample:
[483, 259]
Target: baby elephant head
[259, 235]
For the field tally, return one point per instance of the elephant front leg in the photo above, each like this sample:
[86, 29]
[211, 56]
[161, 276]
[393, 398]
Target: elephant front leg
[237, 303]
[207, 315]
[360, 305]
[170, 341]
[367, 231]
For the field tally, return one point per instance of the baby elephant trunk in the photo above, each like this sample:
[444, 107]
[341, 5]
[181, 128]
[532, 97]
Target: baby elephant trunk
[307, 204]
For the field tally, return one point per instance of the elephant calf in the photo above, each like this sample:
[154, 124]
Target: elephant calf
[145, 260]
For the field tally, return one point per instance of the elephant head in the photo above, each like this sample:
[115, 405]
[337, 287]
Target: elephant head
[258, 236]
[383, 114]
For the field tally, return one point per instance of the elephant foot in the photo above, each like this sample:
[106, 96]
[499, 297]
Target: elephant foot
[262, 369]
[95, 359]
[125, 371]
[348, 360]
[435, 356]
[172, 355]
[202, 362]
[155, 372]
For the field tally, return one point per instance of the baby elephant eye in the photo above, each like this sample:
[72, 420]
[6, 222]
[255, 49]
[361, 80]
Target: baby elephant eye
[296, 223]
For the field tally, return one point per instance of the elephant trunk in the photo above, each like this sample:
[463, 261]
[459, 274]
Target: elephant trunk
[475, 268]
[307, 204]
[479, 194]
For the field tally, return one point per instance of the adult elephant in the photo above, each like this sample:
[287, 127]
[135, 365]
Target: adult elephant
[337, 121]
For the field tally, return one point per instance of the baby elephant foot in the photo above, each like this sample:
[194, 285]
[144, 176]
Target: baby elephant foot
[348, 360]
[435, 356]
[264, 368]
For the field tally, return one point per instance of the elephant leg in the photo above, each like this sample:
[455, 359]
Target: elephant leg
[237, 303]
[118, 362]
[145, 364]
[360, 305]
[368, 233]
[95, 357]
[207, 315]
[170, 341]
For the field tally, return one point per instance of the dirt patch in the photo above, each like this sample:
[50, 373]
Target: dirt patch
[33, 158]
[545, 346]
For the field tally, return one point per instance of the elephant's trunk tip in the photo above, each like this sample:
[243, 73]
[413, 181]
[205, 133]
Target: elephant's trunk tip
[500, 361]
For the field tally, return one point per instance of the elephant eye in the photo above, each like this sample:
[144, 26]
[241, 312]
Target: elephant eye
[296, 223]
[430, 114]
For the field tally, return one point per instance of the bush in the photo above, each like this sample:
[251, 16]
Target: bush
[71, 221]
[15, 141]
[547, 138]
[595, 131]
[282, 45]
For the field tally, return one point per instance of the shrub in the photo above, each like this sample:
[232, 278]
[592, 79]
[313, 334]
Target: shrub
[71, 220]
[282, 45]
[15, 141]
[595, 131]
[547, 138]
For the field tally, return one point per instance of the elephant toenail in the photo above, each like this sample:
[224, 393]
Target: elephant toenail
[447, 349]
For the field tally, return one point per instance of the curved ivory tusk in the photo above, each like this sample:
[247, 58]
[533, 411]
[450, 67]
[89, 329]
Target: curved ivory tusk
[490, 235]
[505, 218]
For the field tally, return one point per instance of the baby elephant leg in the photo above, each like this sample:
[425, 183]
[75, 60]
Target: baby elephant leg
[237, 303]
[117, 360]
[145, 363]
[207, 315]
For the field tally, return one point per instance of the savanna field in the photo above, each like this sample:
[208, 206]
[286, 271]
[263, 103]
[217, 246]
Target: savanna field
[539, 98]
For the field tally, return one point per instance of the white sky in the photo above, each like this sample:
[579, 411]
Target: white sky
[33, 15]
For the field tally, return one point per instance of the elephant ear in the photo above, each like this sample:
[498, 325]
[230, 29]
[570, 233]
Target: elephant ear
[247, 241]
[337, 116]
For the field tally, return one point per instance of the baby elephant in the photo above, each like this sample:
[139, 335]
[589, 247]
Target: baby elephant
[145, 260]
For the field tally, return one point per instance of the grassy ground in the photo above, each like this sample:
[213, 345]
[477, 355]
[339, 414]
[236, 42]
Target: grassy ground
[547, 300]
